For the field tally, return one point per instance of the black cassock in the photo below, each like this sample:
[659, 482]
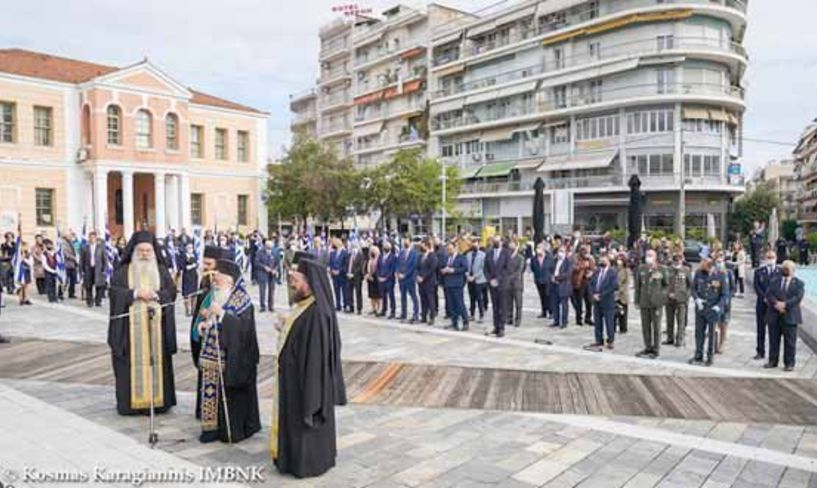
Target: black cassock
[310, 384]
[195, 340]
[239, 344]
[121, 298]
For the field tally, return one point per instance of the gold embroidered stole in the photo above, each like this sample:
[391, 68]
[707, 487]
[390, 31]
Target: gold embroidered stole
[297, 310]
[141, 385]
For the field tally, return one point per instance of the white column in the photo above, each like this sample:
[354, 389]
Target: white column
[127, 203]
[159, 194]
[184, 189]
[100, 200]
[172, 197]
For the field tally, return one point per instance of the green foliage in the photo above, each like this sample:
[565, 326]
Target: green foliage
[755, 205]
[618, 235]
[812, 240]
[788, 228]
[696, 234]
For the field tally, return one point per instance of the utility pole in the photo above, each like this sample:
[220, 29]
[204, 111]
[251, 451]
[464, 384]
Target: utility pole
[682, 205]
[443, 178]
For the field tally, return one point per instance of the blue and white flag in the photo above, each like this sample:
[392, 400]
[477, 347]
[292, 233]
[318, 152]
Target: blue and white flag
[60, 258]
[17, 260]
[109, 253]
[198, 246]
[240, 257]
[170, 247]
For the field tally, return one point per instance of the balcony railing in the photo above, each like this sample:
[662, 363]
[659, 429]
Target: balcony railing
[474, 49]
[632, 48]
[336, 126]
[302, 94]
[383, 52]
[389, 139]
[304, 117]
[333, 47]
[363, 31]
[589, 97]
[334, 99]
[390, 111]
[334, 73]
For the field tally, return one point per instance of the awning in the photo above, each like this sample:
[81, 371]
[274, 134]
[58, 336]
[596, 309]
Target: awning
[459, 68]
[466, 173]
[529, 163]
[493, 135]
[696, 113]
[596, 161]
[410, 53]
[448, 106]
[412, 86]
[369, 129]
[516, 89]
[480, 29]
[733, 120]
[390, 93]
[497, 169]
[481, 97]
[517, 15]
[452, 36]
[618, 23]
[527, 127]
[371, 97]
[719, 115]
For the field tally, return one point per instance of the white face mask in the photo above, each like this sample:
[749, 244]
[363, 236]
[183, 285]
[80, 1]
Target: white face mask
[650, 260]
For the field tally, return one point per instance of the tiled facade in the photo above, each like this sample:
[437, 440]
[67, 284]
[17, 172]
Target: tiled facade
[93, 145]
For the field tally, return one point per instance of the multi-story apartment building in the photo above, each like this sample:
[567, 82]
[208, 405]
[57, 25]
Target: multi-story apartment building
[805, 159]
[781, 178]
[334, 100]
[304, 107]
[84, 143]
[585, 94]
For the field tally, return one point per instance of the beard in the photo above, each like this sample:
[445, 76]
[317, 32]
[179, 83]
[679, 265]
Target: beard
[145, 267]
[221, 295]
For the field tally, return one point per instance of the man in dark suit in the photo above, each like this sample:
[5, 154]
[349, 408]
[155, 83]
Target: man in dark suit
[516, 285]
[541, 266]
[385, 276]
[764, 275]
[93, 261]
[354, 279]
[266, 273]
[561, 288]
[338, 261]
[442, 256]
[498, 273]
[783, 301]
[407, 279]
[427, 280]
[603, 287]
[454, 282]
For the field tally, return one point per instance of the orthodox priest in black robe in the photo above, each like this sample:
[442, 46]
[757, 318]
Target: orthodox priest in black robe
[142, 325]
[228, 362]
[208, 266]
[308, 381]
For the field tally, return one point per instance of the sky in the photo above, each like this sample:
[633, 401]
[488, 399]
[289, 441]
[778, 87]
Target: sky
[258, 52]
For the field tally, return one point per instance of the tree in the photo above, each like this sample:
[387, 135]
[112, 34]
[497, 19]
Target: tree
[311, 181]
[756, 205]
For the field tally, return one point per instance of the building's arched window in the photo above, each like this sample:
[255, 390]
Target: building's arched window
[172, 132]
[144, 133]
[114, 125]
[86, 125]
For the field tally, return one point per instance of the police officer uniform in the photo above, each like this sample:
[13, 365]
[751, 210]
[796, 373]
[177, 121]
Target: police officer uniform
[680, 284]
[709, 292]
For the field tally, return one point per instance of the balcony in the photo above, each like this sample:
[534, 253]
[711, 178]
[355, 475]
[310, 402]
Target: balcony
[334, 47]
[390, 111]
[384, 53]
[388, 141]
[301, 96]
[362, 32]
[632, 48]
[304, 118]
[335, 128]
[334, 100]
[567, 21]
[564, 101]
[334, 74]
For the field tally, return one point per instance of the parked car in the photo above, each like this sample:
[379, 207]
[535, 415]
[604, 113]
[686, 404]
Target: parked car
[692, 250]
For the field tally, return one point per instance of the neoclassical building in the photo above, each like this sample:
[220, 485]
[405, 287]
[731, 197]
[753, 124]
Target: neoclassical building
[84, 143]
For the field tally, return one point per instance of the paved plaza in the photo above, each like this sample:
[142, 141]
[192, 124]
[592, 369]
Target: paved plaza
[434, 407]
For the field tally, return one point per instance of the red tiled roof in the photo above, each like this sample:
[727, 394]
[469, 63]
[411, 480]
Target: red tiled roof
[56, 68]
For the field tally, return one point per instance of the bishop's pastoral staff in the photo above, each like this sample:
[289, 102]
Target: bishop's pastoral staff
[142, 325]
[228, 361]
[307, 380]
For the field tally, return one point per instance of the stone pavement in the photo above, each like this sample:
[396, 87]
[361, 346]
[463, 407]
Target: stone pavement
[411, 446]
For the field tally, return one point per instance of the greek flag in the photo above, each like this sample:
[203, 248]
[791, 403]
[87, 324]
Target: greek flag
[170, 247]
[240, 258]
[109, 253]
[17, 259]
[198, 246]
[60, 258]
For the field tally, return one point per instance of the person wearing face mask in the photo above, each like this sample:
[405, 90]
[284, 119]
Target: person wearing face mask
[561, 288]
[651, 284]
[515, 285]
[386, 269]
[680, 285]
[266, 274]
[583, 268]
[709, 294]
[475, 277]
[783, 315]
[497, 272]
[722, 268]
[541, 265]
[764, 276]
[603, 288]
[623, 294]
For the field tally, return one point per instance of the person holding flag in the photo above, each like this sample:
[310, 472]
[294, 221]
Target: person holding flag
[23, 264]
[49, 262]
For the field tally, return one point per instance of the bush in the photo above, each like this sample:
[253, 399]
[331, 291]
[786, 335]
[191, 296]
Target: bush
[812, 240]
[696, 234]
[788, 229]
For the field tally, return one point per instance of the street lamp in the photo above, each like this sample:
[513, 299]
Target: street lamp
[443, 177]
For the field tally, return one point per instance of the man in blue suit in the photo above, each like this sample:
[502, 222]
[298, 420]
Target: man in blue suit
[265, 273]
[603, 287]
[453, 272]
[764, 275]
[427, 280]
[784, 315]
[337, 268]
[561, 288]
[541, 266]
[385, 276]
[498, 273]
[407, 279]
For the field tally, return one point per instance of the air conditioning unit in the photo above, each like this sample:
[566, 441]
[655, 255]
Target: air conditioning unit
[82, 154]
[533, 151]
[489, 157]
[476, 157]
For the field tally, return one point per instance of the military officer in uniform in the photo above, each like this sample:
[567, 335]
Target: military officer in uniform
[680, 284]
[709, 293]
[651, 285]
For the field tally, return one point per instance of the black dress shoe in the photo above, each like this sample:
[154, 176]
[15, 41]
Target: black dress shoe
[769, 366]
[759, 356]
[554, 324]
[668, 343]
[3, 340]
[788, 369]
[501, 333]
[207, 437]
[541, 316]
[695, 361]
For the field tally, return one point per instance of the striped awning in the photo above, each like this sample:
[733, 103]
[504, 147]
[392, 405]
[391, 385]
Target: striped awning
[497, 169]
[500, 134]
[596, 161]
